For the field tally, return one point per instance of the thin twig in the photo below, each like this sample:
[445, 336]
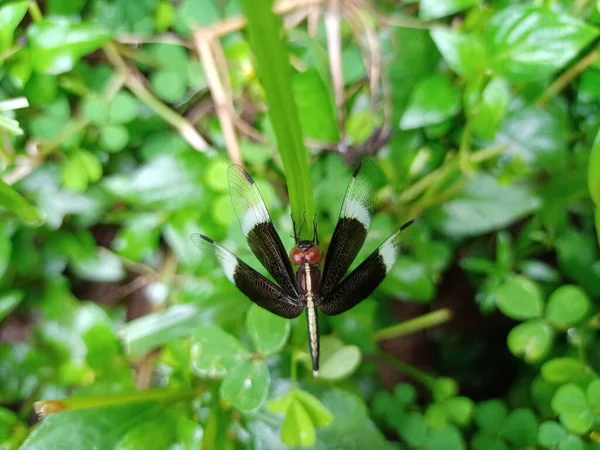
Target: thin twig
[203, 47]
[167, 38]
[569, 75]
[135, 85]
[334, 47]
[238, 22]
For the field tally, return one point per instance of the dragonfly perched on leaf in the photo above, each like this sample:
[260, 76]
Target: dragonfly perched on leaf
[313, 286]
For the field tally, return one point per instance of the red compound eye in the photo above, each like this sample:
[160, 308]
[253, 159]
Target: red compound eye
[296, 256]
[313, 255]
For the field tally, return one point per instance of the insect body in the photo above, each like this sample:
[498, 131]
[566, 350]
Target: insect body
[311, 288]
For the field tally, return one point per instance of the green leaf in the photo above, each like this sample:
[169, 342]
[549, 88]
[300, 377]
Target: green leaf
[482, 206]
[520, 428]
[519, 298]
[458, 410]
[154, 330]
[487, 115]
[464, 53]
[319, 414]
[123, 108]
[409, 278]
[268, 331]
[13, 201]
[95, 109]
[490, 416]
[434, 9]
[100, 265]
[148, 426]
[9, 301]
[405, 394]
[411, 426]
[535, 136]
[593, 394]
[594, 173]
[567, 306]
[10, 17]
[216, 352]
[339, 363]
[531, 340]
[448, 438]
[281, 404]
[571, 442]
[114, 138]
[246, 386]
[273, 67]
[444, 388]
[528, 43]
[315, 106]
[168, 182]
[578, 422]
[550, 433]
[5, 248]
[563, 369]
[297, 428]
[57, 44]
[434, 100]
[169, 85]
[569, 398]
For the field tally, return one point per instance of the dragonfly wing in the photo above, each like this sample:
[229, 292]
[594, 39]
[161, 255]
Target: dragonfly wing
[353, 223]
[258, 228]
[255, 286]
[363, 280]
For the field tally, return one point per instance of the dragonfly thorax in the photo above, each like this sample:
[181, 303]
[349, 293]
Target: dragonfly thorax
[305, 251]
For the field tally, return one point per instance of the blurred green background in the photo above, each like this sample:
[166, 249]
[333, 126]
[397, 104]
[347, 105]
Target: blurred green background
[118, 121]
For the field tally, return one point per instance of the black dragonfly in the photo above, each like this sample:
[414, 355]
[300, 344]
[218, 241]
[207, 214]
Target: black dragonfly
[310, 287]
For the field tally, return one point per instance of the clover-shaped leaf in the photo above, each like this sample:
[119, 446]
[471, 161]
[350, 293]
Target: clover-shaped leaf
[268, 331]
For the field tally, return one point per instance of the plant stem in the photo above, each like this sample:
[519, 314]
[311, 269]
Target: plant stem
[407, 369]
[464, 151]
[423, 322]
[563, 81]
[35, 12]
[186, 129]
[45, 407]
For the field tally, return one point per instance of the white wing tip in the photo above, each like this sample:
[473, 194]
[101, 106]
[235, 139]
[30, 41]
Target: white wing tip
[315, 373]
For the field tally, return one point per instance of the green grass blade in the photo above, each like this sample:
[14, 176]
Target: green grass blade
[274, 70]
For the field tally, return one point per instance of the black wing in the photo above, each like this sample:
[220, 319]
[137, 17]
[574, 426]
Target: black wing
[258, 228]
[353, 224]
[255, 286]
[366, 277]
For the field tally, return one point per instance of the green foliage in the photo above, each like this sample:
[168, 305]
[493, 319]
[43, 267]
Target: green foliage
[114, 150]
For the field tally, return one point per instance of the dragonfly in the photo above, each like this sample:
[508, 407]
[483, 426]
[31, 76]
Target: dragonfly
[318, 283]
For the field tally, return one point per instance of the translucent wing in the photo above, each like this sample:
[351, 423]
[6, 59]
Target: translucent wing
[258, 228]
[353, 223]
[255, 286]
[363, 280]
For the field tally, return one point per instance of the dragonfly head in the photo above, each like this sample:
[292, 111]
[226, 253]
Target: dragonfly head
[305, 251]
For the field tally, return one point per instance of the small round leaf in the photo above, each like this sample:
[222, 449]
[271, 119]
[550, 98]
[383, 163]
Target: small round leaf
[530, 340]
[114, 138]
[268, 331]
[519, 298]
[570, 442]
[124, 108]
[550, 433]
[247, 385]
[459, 410]
[577, 422]
[562, 370]
[341, 363]
[569, 398]
[567, 306]
[215, 352]
[490, 415]
[593, 394]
